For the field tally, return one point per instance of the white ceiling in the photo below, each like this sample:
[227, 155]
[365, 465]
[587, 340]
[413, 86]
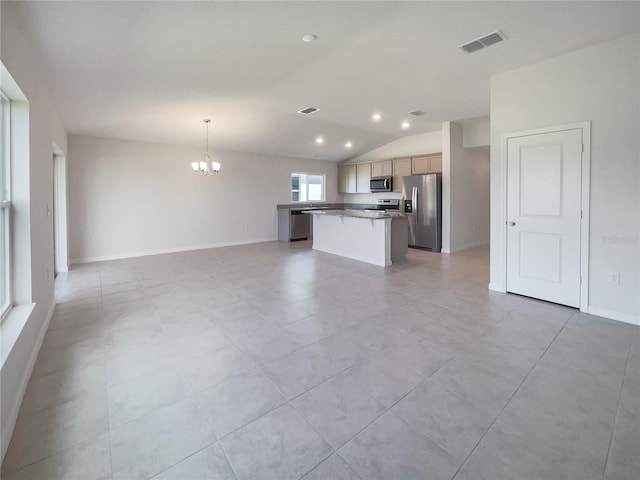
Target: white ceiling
[151, 71]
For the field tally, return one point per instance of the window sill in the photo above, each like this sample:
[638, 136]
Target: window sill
[11, 327]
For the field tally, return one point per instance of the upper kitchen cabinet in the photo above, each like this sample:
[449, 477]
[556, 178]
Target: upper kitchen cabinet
[435, 164]
[401, 168]
[426, 164]
[347, 179]
[419, 165]
[382, 169]
[363, 176]
[354, 178]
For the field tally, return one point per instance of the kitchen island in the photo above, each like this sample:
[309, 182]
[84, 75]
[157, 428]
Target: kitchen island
[380, 238]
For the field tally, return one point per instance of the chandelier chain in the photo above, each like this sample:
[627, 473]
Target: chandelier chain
[206, 167]
[206, 122]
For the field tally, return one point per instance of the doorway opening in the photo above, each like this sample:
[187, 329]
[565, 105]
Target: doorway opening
[60, 235]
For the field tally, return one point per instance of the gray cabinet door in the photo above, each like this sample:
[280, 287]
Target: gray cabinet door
[401, 168]
[347, 179]
[363, 174]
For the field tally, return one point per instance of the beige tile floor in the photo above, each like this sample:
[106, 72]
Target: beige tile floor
[271, 361]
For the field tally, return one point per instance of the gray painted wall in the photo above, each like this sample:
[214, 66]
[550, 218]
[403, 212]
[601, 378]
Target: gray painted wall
[600, 84]
[32, 178]
[132, 198]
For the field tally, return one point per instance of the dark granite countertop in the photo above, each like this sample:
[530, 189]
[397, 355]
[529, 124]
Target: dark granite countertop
[357, 213]
[326, 206]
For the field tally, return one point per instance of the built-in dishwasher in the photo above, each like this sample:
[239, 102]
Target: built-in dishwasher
[300, 225]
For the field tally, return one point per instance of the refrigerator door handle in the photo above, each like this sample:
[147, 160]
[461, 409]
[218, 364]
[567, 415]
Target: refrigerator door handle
[414, 201]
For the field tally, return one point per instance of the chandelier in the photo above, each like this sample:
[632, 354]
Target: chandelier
[206, 167]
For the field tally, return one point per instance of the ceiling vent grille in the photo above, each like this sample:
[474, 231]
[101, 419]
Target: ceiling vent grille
[308, 110]
[483, 42]
[418, 113]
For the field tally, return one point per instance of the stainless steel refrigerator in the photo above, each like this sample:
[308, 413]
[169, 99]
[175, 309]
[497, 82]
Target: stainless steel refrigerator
[422, 202]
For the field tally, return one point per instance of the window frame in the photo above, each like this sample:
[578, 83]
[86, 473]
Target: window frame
[298, 190]
[6, 299]
[303, 187]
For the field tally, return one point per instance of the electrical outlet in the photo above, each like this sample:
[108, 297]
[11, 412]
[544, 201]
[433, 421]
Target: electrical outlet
[614, 278]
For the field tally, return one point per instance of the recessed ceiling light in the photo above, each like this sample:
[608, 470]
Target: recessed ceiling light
[376, 117]
[348, 145]
[309, 37]
[319, 140]
[405, 124]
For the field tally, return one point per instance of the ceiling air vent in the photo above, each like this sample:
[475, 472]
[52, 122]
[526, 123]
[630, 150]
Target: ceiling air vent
[483, 42]
[418, 113]
[308, 110]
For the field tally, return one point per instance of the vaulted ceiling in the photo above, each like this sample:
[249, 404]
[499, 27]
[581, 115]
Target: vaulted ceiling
[152, 71]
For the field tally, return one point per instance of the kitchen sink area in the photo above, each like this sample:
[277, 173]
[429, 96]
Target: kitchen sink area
[295, 222]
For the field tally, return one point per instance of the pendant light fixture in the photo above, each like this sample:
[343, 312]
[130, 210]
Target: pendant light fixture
[206, 167]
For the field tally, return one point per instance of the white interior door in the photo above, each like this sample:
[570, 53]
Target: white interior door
[543, 215]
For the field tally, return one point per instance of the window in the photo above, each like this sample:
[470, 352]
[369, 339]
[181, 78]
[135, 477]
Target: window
[307, 188]
[5, 206]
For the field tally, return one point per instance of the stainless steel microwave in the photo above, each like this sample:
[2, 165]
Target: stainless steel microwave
[381, 184]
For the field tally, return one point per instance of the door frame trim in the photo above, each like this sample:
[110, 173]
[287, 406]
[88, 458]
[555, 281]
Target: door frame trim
[60, 212]
[585, 197]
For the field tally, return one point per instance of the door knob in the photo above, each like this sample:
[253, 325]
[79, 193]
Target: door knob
[512, 224]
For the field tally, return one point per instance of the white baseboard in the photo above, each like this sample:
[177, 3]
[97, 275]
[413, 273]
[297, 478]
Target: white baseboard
[468, 246]
[120, 256]
[7, 428]
[597, 311]
[613, 315]
[64, 269]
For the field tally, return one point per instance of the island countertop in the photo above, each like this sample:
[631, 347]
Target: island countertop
[325, 206]
[376, 237]
[372, 215]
